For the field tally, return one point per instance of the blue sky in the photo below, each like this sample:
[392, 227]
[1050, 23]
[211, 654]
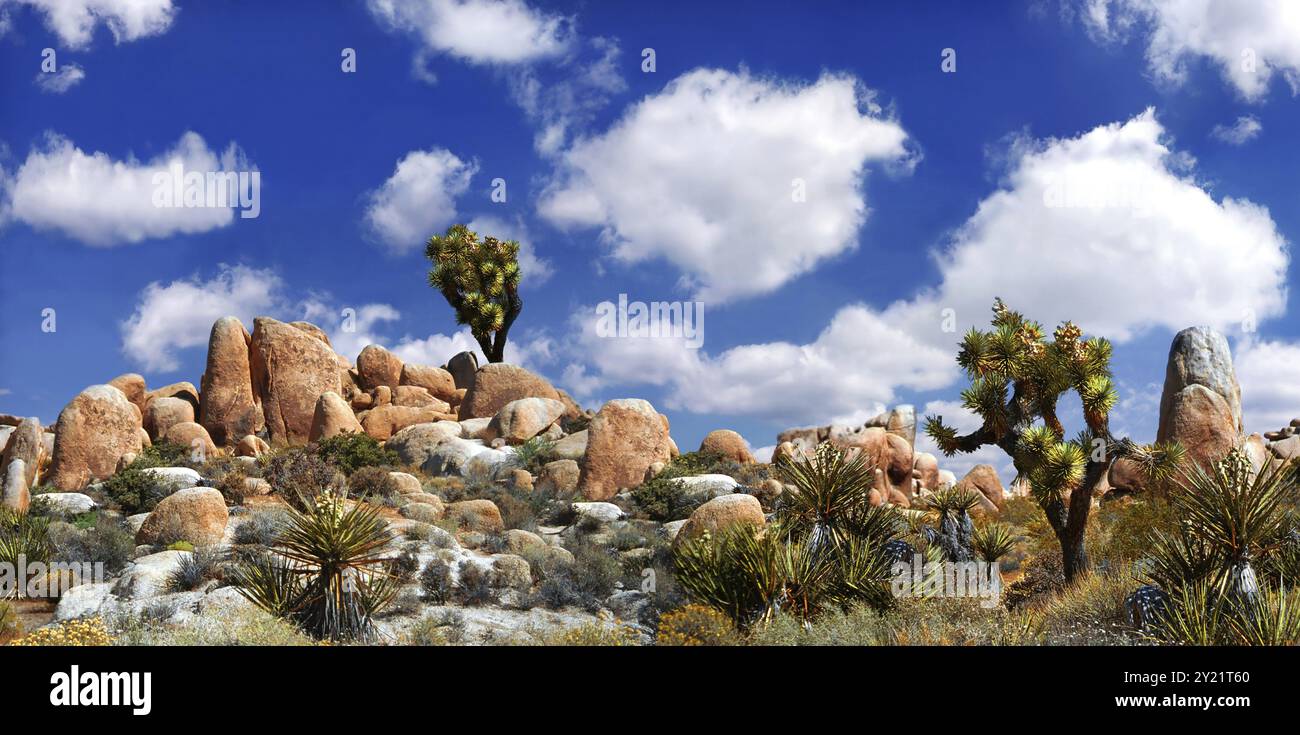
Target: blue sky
[925, 189]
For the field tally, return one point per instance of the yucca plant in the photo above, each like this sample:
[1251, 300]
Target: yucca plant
[480, 280]
[826, 547]
[992, 541]
[1238, 512]
[327, 571]
[1017, 379]
[25, 535]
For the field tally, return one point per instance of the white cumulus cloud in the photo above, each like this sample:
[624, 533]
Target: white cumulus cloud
[1244, 130]
[179, 315]
[1270, 392]
[419, 199]
[74, 21]
[101, 201]
[1249, 40]
[494, 32]
[1109, 229]
[58, 82]
[857, 364]
[707, 173]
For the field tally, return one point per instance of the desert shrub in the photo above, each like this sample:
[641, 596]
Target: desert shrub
[662, 500]
[1042, 576]
[1089, 612]
[406, 602]
[261, 528]
[180, 546]
[1125, 527]
[9, 626]
[240, 627]
[594, 634]
[534, 453]
[371, 483]
[136, 491]
[228, 476]
[449, 487]
[350, 452]
[914, 621]
[106, 542]
[436, 582]
[430, 630]
[23, 534]
[164, 454]
[404, 566]
[519, 509]
[326, 573]
[299, 475]
[585, 582]
[474, 587]
[626, 539]
[82, 632]
[194, 570]
[696, 625]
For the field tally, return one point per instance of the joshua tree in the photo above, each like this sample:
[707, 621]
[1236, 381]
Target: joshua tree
[1063, 474]
[480, 279]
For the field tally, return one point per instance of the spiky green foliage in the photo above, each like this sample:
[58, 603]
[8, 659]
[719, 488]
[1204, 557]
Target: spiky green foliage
[992, 541]
[825, 548]
[25, 535]
[952, 499]
[327, 572]
[480, 280]
[1231, 517]
[1017, 378]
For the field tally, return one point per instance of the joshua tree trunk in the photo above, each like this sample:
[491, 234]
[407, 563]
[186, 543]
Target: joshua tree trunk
[1071, 524]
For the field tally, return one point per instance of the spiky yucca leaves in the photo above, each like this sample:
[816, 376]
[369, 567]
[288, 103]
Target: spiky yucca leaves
[480, 280]
[25, 535]
[326, 572]
[825, 547]
[1232, 517]
[1017, 379]
[1198, 616]
[831, 499]
[992, 541]
[750, 574]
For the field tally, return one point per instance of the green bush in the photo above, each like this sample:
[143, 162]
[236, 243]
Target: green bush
[136, 491]
[662, 500]
[107, 542]
[350, 452]
[298, 475]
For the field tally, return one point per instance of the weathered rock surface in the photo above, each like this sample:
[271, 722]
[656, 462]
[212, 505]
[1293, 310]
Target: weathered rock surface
[377, 366]
[623, 440]
[93, 432]
[333, 416]
[729, 444]
[291, 369]
[197, 515]
[721, 513]
[228, 406]
[499, 383]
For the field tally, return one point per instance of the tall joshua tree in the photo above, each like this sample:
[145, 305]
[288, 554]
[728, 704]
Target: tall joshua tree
[480, 279]
[1063, 474]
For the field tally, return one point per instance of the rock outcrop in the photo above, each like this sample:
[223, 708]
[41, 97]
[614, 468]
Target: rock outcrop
[229, 408]
[624, 439]
[1200, 406]
[291, 369]
[92, 433]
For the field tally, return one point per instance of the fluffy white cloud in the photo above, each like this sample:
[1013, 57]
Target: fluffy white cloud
[854, 366]
[478, 31]
[1106, 228]
[419, 199]
[436, 349]
[101, 201]
[1270, 392]
[349, 329]
[180, 314]
[1111, 230]
[58, 82]
[705, 175]
[561, 105]
[74, 21]
[1249, 41]
[534, 271]
[1246, 129]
